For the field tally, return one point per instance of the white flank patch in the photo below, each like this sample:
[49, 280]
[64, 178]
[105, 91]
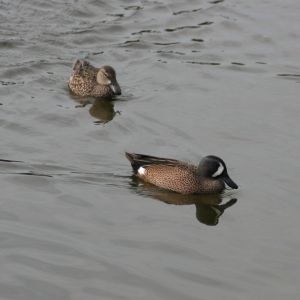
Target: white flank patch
[141, 171]
[219, 171]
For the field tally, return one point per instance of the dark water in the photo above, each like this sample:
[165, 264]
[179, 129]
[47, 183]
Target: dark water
[198, 78]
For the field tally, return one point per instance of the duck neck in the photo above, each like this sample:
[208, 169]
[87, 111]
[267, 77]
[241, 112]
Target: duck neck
[213, 185]
[102, 91]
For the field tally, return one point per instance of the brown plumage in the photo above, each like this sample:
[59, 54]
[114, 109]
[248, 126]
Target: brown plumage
[86, 80]
[181, 177]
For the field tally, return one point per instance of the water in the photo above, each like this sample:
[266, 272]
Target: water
[198, 78]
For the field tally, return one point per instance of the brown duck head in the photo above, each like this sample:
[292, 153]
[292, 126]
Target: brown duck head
[107, 76]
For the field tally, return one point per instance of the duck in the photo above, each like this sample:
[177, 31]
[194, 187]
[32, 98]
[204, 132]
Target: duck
[209, 177]
[87, 80]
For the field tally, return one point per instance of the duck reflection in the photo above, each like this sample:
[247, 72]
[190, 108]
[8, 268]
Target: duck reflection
[208, 207]
[101, 109]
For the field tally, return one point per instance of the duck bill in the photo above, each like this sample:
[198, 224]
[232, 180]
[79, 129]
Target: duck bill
[115, 88]
[230, 182]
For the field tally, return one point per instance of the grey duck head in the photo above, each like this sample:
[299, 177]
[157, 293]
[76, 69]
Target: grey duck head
[214, 167]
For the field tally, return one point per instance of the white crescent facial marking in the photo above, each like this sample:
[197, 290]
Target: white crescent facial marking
[219, 171]
[141, 171]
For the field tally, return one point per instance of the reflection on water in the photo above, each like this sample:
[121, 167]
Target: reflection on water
[101, 109]
[210, 214]
[208, 207]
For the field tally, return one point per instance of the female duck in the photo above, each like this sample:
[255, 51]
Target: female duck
[171, 174]
[87, 80]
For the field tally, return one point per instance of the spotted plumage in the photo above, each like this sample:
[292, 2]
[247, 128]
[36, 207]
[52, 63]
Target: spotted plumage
[86, 80]
[209, 177]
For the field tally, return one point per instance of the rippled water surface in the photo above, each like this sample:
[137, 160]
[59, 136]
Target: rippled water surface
[198, 78]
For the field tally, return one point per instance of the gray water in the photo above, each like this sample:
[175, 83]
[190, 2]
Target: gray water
[198, 78]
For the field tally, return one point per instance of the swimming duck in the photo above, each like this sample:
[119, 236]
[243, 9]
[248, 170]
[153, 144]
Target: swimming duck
[87, 80]
[209, 177]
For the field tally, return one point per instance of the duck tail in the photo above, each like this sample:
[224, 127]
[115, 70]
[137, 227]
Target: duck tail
[76, 65]
[134, 164]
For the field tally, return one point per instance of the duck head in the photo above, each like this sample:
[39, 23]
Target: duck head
[214, 167]
[107, 76]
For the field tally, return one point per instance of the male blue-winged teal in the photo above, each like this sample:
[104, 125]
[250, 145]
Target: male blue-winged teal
[87, 80]
[171, 174]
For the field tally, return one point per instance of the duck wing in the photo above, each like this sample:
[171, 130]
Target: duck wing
[142, 160]
[84, 68]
